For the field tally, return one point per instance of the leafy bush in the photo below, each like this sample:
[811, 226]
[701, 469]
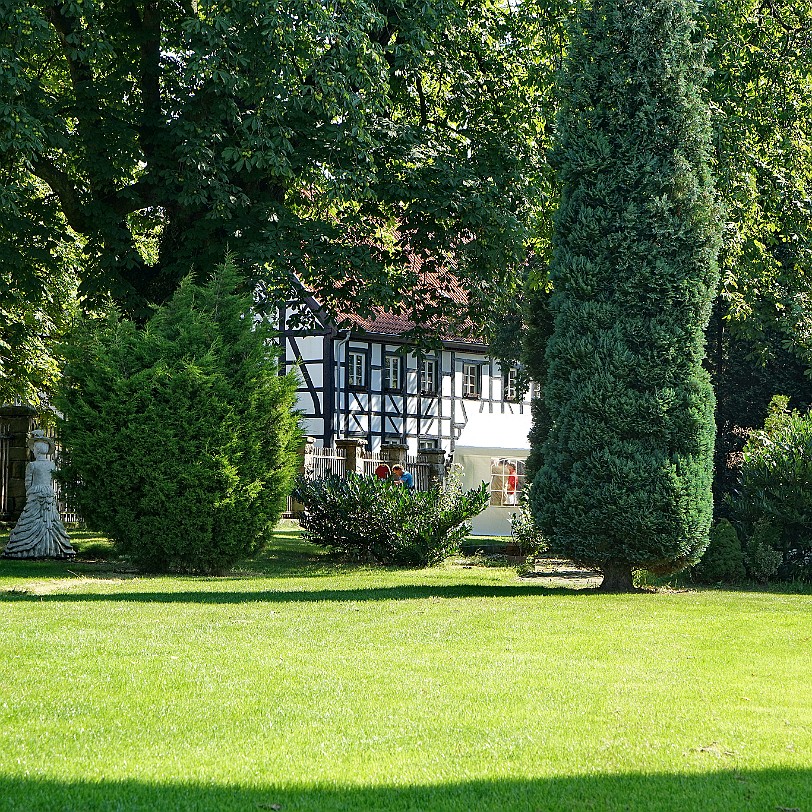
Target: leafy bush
[525, 532]
[761, 555]
[180, 434]
[776, 488]
[723, 560]
[373, 519]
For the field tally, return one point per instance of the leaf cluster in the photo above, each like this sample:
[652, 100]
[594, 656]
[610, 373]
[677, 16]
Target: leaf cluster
[325, 144]
[776, 486]
[760, 91]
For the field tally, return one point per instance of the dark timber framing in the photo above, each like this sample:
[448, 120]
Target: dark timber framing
[333, 409]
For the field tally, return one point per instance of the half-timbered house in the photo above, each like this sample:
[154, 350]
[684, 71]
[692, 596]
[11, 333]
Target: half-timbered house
[368, 381]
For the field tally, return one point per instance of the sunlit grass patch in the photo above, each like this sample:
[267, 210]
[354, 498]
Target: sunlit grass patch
[311, 684]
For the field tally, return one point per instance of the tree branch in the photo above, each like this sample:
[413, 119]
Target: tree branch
[65, 189]
[424, 115]
[147, 35]
[65, 27]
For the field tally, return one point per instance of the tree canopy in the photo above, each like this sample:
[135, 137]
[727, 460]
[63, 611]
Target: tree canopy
[760, 87]
[318, 142]
[327, 143]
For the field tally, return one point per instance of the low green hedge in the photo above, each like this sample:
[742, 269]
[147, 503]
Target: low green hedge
[378, 520]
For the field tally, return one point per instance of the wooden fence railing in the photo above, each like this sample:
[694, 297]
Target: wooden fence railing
[321, 462]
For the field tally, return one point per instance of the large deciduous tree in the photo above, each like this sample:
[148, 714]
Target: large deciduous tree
[760, 335]
[761, 89]
[318, 141]
[626, 466]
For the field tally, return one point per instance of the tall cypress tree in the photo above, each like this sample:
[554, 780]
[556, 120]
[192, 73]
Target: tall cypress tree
[625, 477]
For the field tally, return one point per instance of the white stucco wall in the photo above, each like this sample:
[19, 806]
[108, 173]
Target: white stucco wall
[504, 430]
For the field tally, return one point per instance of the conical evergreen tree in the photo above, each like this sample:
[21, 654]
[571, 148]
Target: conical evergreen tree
[626, 466]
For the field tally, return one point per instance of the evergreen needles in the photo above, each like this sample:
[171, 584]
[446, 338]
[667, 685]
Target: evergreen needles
[626, 465]
[181, 433]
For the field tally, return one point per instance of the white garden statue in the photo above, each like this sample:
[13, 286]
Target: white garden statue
[39, 532]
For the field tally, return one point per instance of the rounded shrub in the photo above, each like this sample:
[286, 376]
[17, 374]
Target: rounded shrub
[378, 520]
[180, 437]
[723, 561]
[773, 503]
[761, 555]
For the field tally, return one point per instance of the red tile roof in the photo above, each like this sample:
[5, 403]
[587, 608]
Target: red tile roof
[437, 290]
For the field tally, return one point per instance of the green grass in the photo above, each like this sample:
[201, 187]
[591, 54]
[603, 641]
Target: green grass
[300, 683]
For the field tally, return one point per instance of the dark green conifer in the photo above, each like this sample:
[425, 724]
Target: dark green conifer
[625, 478]
[180, 436]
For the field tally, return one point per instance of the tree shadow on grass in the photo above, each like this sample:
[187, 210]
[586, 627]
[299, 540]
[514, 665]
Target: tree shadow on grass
[287, 556]
[389, 593]
[726, 790]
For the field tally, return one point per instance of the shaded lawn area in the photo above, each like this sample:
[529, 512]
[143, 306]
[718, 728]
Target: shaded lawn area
[300, 683]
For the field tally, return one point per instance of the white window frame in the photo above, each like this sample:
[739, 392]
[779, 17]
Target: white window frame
[393, 373]
[356, 369]
[501, 493]
[428, 376]
[511, 384]
[471, 381]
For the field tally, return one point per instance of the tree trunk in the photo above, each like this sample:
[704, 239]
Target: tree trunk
[617, 578]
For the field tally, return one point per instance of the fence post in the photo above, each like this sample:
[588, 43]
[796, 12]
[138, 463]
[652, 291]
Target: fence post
[20, 421]
[295, 508]
[435, 458]
[353, 449]
[394, 454]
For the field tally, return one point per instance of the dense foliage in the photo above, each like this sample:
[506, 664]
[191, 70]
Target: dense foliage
[627, 462]
[525, 532]
[326, 144]
[762, 551]
[760, 338]
[379, 520]
[774, 499]
[37, 304]
[760, 92]
[723, 560]
[179, 436]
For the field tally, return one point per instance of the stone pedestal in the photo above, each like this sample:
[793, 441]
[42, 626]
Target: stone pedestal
[295, 507]
[435, 457]
[394, 454]
[17, 421]
[353, 449]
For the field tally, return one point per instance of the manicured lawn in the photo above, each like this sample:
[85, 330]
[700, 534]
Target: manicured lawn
[302, 684]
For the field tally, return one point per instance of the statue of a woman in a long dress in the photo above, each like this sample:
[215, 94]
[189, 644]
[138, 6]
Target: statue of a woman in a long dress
[39, 532]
